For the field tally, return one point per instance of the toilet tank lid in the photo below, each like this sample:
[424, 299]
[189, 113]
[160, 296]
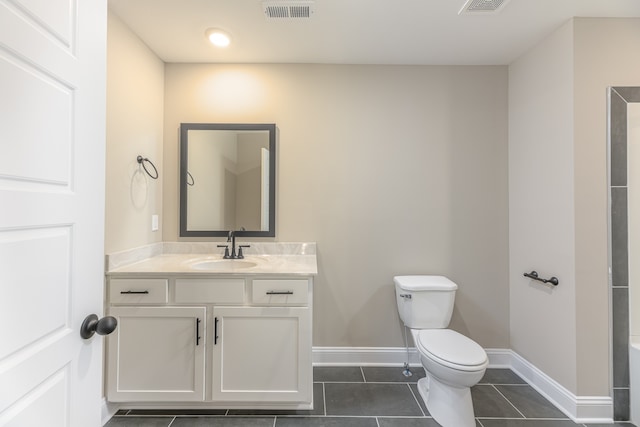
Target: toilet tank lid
[424, 283]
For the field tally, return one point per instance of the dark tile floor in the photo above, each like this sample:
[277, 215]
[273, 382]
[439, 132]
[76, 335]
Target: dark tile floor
[374, 397]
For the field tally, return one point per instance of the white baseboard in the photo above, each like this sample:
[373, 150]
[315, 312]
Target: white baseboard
[390, 356]
[364, 356]
[581, 409]
[108, 410]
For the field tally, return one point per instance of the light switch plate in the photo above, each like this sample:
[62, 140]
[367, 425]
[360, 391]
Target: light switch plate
[154, 222]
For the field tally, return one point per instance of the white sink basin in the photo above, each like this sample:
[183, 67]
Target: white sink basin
[223, 264]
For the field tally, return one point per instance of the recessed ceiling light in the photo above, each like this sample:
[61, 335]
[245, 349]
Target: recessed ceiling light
[218, 37]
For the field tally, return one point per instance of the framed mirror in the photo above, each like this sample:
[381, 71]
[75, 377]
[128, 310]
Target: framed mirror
[227, 179]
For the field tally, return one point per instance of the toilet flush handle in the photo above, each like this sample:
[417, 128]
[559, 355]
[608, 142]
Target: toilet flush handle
[406, 296]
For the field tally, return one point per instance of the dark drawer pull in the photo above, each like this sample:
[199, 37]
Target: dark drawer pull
[134, 292]
[197, 331]
[279, 292]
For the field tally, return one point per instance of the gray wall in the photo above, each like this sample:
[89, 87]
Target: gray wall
[390, 169]
[558, 198]
[541, 206]
[135, 108]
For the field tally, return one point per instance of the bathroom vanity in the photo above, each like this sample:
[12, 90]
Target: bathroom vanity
[196, 330]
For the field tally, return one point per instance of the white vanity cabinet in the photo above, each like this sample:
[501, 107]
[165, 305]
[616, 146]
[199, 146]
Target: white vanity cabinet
[263, 352]
[157, 354]
[210, 341]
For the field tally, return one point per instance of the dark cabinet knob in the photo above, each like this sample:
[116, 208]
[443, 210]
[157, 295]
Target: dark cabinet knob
[91, 325]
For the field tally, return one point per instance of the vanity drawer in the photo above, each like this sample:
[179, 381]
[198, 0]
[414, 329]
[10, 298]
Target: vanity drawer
[224, 291]
[138, 291]
[280, 291]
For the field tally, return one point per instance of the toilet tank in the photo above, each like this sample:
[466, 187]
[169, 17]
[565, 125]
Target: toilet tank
[425, 302]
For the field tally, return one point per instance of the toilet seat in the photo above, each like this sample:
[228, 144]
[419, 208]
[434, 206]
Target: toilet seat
[449, 348]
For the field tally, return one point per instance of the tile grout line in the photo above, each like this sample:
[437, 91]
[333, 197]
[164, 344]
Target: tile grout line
[505, 398]
[385, 382]
[324, 399]
[527, 419]
[507, 384]
[416, 399]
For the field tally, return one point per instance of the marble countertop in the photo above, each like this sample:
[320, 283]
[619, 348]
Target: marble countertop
[206, 259]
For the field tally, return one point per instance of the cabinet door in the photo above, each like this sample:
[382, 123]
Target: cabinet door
[262, 354]
[157, 354]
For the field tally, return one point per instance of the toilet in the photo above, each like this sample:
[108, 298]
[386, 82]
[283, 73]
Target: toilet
[453, 362]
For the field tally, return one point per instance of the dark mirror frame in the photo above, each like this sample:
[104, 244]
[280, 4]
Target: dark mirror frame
[184, 156]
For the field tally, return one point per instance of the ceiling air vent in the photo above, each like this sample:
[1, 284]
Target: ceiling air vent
[288, 9]
[482, 6]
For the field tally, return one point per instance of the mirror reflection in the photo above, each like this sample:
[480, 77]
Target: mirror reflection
[227, 179]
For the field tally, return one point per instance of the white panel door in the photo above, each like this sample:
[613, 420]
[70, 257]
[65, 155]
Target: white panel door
[52, 133]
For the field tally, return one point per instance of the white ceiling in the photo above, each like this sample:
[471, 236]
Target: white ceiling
[355, 31]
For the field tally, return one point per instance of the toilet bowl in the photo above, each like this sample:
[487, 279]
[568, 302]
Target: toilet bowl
[453, 362]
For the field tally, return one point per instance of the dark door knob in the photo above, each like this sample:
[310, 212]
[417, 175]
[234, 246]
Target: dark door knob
[91, 325]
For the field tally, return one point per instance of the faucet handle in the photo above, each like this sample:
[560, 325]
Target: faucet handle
[240, 254]
[226, 251]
